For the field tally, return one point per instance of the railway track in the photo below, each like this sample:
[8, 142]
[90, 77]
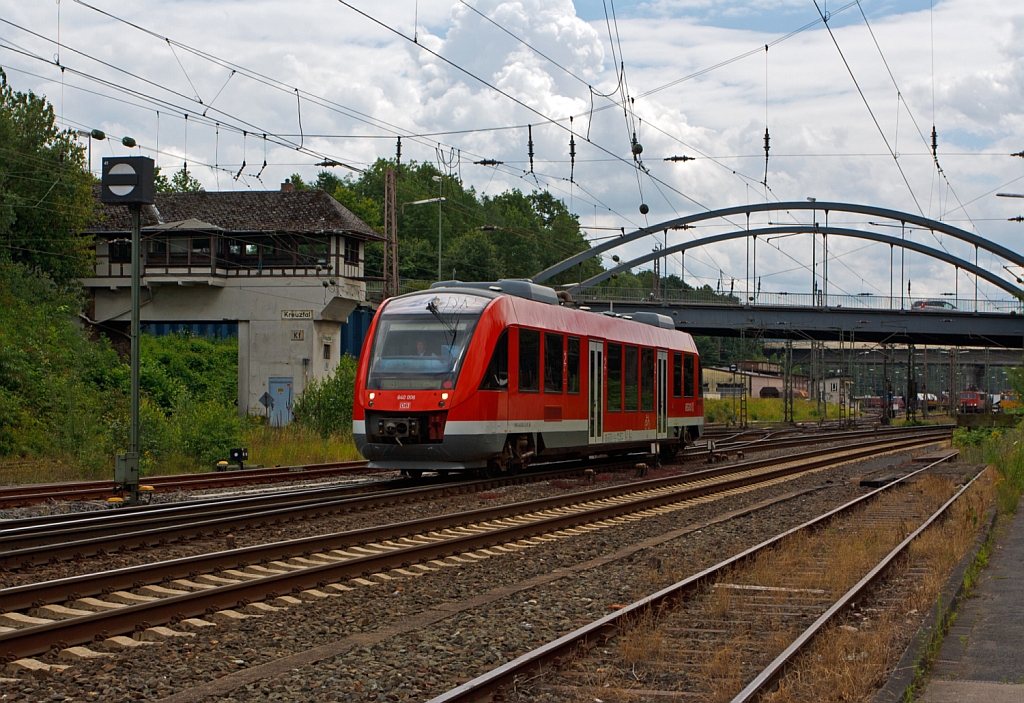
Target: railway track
[778, 439]
[732, 630]
[266, 576]
[37, 541]
[41, 540]
[31, 494]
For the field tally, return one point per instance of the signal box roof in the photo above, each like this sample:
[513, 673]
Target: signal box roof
[296, 211]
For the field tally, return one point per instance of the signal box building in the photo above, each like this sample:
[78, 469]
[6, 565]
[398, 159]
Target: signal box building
[282, 268]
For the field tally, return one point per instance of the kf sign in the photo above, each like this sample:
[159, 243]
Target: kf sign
[127, 180]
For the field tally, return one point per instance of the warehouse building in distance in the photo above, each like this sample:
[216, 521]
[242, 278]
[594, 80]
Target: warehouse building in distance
[281, 269]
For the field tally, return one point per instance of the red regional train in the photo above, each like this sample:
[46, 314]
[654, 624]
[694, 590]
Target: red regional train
[489, 377]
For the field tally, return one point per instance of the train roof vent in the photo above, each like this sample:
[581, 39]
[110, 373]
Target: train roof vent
[518, 288]
[655, 319]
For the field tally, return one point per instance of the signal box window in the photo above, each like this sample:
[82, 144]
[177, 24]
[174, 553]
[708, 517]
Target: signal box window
[553, 356]
[688, 375]
[632, 386]
[327, 351]
[647, 380]
[529, 361]
[496, 376]
[614, 378]
[677, 375]
[573, 364]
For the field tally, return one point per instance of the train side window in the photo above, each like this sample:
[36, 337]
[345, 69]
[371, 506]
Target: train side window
[614, 358]
[688, 375]
[631, 379]
[700, 380]
[573, 363]
[677, 375]
[496, 376]
[529, 361]
[647, 380]
[554, 347]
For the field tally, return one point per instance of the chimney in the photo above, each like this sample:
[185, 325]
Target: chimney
[287, 186]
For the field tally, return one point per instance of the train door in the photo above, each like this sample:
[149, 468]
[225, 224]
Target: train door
[595, 389]
[662, 401]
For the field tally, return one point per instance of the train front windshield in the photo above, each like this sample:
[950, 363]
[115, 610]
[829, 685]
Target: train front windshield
[421, 341]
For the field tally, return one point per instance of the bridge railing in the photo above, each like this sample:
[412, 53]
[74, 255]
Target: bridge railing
[736, 299]
[605, 294]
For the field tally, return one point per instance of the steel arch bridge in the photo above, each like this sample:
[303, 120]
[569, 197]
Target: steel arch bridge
[820, 321]
[903, 218]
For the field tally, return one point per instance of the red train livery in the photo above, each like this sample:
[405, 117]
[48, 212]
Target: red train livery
[493, 376]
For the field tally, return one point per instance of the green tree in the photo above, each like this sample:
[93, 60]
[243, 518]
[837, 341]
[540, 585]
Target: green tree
[510, 235]
[181, 182]
[45, 190]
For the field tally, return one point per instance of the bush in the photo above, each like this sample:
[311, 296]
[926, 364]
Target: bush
[206, 369]
[60, 389]
[205, 430]
[325, 406]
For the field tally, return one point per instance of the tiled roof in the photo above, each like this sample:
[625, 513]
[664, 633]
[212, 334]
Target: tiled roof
[300, 211]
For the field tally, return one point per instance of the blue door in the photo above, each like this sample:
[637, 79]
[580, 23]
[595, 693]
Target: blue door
[280, 390]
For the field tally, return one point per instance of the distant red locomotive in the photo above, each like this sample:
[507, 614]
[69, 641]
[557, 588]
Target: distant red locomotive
[490, 377]
[973, 402]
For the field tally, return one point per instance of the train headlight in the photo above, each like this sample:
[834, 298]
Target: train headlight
[372, 396]
[444, 396]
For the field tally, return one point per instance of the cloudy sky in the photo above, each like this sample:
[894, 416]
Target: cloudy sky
[323, 79]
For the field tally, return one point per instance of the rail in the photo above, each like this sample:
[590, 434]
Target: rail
[405, 544]
[565, 648]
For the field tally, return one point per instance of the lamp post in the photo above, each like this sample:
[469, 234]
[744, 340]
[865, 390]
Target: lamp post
[96, 134]
[437, 200]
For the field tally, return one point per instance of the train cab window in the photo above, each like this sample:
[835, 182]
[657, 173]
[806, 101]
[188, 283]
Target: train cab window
[554, 345]
[700, 380]
[647, 380]
[631, 380]
[529, 361]
[496, 375]
[688, 375]
[614, 358]
[573, 365]
[677, 375]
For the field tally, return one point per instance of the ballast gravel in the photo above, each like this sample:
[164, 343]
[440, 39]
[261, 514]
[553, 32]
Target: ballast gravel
[339, 522]
[381, 659]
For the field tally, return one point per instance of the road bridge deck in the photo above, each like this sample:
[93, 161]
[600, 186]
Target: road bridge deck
[935, 327]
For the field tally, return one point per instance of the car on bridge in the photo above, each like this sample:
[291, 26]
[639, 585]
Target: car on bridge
[933, 305]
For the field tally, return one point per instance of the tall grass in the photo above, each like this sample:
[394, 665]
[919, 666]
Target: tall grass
[1003, 449]
[294, 444]
[764, 410]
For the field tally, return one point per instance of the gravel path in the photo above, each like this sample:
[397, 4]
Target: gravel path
[411, 639]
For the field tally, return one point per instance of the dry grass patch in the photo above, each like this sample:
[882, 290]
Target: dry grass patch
[849, 661]
[642, 643]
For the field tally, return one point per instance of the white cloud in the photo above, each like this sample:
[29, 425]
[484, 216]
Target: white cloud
[824, 143]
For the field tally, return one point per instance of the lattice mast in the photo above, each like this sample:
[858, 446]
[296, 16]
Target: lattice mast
[391, 283]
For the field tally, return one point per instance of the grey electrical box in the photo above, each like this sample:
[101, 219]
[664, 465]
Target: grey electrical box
[126, 468]
[127, 180]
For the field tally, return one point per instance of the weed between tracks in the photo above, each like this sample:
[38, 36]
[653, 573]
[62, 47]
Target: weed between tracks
[714, 644]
